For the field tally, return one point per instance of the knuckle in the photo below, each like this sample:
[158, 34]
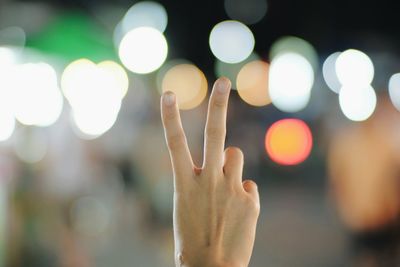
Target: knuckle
[170, 115]
[230, 188]
[219, 103]
[212, 174]
[176, 141]
[215, 133]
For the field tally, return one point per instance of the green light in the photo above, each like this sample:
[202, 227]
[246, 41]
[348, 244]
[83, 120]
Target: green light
[73, 36]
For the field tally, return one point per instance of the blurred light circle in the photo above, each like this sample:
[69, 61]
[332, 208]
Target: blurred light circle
[90, 216]
[30, 145]
[7, 119]
[93, 121]
[143, 50]
[94, 93]
[118, 34]
[7, 124]
[288, 141]
[231, 41]
[252, 83]
[13, 37]
[231, 70]
[296, 45]
[249, 11]
[188, 83]
[145, 14]
[291, 78]
[394, 90]
[8, 57]
[165, 68]
[354, 67]
[329, 72]
[83, 82]
[117, 76]
[357, 102]
[37, 98]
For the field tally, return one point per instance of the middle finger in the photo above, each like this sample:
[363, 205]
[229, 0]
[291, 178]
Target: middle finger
[215, 130]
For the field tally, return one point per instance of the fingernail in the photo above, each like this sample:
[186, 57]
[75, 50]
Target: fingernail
[169, 99]
[223, 85]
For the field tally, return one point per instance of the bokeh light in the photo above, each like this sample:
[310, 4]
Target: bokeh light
[7, 120]
[188, 83]
[288, 141]
[95, 93]
[291, 78]
[394, 90]
[37, 97]
[354, 67]
[293, 44]
[13, 37]
[7, 123]
[30, 144]
[232, 70]
[329, 72]
[166, 67]
[82, 80]
[143, 50]
[94, 120]
[237, 35]
[249, 11]
[145, 14]
[7, 57]
[116, 76]
[357, 102]
[252, 83]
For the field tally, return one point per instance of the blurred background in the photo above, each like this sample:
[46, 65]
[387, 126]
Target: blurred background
[85, 177]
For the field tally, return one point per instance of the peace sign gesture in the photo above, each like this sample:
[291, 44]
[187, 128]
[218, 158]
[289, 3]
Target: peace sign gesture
[215, 213]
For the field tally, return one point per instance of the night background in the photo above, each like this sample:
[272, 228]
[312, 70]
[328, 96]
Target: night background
[85, 176]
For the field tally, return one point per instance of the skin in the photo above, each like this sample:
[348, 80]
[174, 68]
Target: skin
[215, 212]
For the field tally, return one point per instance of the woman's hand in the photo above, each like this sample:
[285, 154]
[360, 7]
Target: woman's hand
[215, 213]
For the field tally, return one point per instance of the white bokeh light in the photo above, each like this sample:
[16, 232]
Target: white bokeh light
[354, 67]
[357, 102]
[297, 45]
[30, 144]
[37, 98]
[291, 78]
[7, 57]
[394, 90]
[82, 80]
[7, 123]
[231, 41]
[95, 93]
[7, 120]
[249, 11]
[92, 122]
[143, 50]
[145, 13]
[329, 72]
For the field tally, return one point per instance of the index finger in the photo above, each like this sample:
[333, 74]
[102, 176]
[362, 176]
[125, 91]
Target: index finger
[215, 130]
[176, 140]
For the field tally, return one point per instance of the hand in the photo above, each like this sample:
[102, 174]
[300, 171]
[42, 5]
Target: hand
[215, 213]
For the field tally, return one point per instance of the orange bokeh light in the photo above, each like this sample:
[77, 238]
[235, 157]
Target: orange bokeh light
[252, 83]
[288, 141]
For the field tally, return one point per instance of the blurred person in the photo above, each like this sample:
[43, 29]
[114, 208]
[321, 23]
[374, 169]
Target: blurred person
[215, 212]
[364, 168]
